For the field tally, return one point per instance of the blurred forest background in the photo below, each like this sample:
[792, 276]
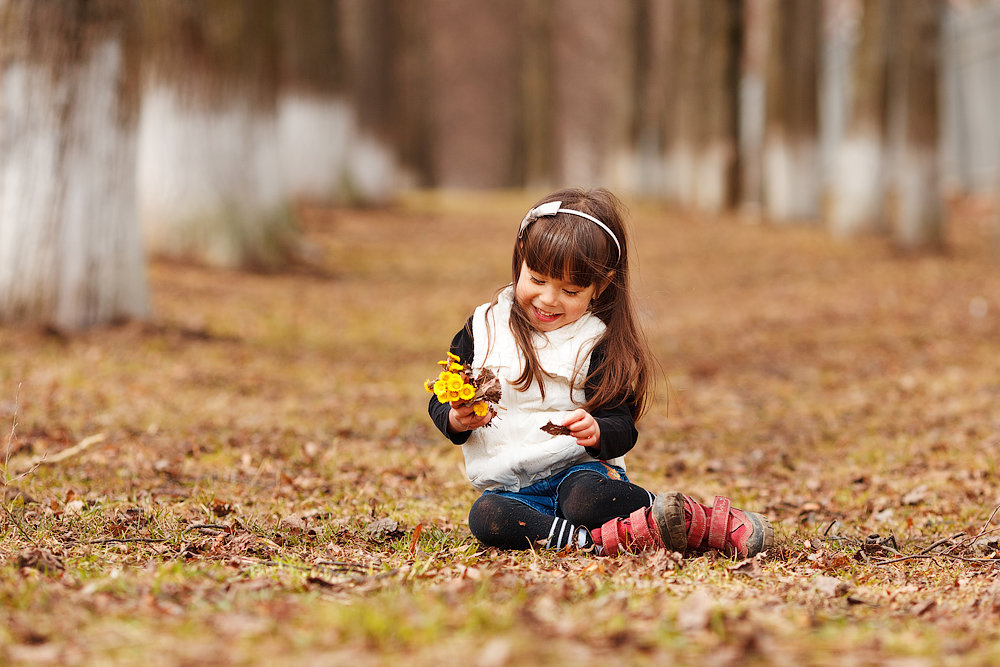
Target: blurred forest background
[197, 130]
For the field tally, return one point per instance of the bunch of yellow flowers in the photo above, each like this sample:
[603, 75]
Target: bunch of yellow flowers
[454, 383]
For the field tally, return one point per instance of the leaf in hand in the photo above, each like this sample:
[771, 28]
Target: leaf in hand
[555, 429]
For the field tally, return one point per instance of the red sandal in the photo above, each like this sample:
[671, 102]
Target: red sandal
[731, 531]
[679, 523]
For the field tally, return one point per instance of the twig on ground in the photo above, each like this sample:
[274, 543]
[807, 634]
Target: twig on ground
[336, 566]
[985, 530]
[69, 452]
[10, 436]
[112, 540]
[965, 559]
[943, 540]
[925, 554]
[206, 526]
[4, 481]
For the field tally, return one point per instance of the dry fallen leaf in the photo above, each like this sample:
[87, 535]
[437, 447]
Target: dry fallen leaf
[381, 530]
[556, 429]
[40, 559]
[695, 612]
[831, 586]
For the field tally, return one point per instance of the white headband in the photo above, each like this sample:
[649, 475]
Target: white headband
[552, 208]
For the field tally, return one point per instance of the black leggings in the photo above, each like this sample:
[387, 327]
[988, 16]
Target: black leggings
[585, 499]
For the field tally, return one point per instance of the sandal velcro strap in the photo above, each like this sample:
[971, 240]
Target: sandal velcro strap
[699, 522]
[641, 534]
[609, 538]
[718, 530]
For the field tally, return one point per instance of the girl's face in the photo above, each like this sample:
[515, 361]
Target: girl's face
[549, 302]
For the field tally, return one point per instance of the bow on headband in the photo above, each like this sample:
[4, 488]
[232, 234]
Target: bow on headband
[551, 208]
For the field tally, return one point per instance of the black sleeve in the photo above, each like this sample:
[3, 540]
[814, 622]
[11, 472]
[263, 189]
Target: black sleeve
[618, 431]
[462, 345]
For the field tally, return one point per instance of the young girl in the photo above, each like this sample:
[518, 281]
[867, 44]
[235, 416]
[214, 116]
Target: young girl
[564, 341]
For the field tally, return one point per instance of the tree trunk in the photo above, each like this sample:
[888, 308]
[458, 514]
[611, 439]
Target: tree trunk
[534, 120]
[376, 35]
[473, 91]
[791, 151]
[751, 104]
[683, 135]
[210, 186]
[656, 34]
[70, 248]
[857, 184]
[592, 83]
[918, 209]
[315, 120]
[716, 182]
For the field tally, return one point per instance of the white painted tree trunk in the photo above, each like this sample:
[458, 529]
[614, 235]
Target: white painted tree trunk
[70, 248]
[210, 186]
[917, 205]
[314, 133]
[857, 185]
[792, 180]
[209, 175]
[791, 151]
[856, 121]
[918, 209]
[326, 156]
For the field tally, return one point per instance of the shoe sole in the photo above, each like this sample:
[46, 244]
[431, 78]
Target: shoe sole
[762, 537]
[668, 513]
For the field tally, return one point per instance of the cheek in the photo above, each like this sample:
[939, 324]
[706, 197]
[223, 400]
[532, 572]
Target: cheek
[520, 293]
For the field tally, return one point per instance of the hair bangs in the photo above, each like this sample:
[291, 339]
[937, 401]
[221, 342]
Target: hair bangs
[567, 249]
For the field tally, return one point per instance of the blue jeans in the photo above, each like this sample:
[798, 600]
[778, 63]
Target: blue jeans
[543, 495]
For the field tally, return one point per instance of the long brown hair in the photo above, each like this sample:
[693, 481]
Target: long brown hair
[570, 248]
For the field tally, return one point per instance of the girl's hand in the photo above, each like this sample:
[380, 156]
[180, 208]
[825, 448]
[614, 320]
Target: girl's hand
[462, 418]
[584, 428]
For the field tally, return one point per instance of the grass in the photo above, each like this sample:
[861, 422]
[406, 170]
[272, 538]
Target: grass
[269, 490]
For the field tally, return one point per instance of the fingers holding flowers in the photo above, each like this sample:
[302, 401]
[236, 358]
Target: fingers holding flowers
[466, 417]
[471, 399]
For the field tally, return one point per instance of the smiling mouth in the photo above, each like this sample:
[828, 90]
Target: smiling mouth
[544, 316]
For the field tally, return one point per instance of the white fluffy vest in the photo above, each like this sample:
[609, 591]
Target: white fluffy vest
[513, 452]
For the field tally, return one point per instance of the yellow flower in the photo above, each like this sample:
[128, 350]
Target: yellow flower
[440, 387]
[481, 408]
[452, 396]
[454, 356]
[467, 392]
[455, 367]
[455, 382]
[429, 386]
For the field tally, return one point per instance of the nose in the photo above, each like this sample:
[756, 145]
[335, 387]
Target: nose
[549, 295]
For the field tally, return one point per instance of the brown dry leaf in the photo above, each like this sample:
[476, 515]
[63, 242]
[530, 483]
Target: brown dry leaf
[831, 586]
[221, 508]
[416, 538]
[748, 568]
[916, 496]
[292, 524]
[40, 559]
[382, 529]
[695, 612]
[555, 429]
